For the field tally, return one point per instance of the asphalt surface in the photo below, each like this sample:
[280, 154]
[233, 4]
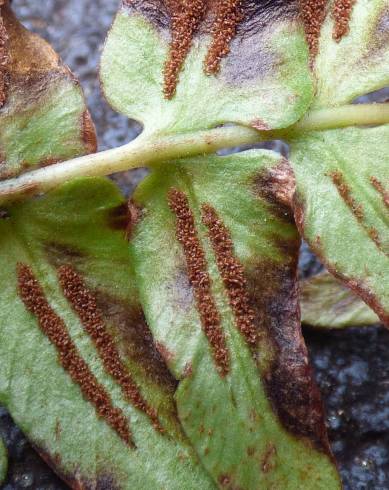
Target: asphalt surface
[352, 368]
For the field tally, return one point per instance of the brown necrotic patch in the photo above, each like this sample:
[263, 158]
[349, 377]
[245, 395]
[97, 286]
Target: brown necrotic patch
[228, 15]
[377, 184]
[125, 217]
[85, 305]
[54, 327]
[186, 17]
[199, 278]
[119, 217]
[276, 186]
[156, 11]
[4, 60]
[288, 377]
[75, 479]
[341, 13]
[222, 20]
[232, 273]
[128, 324]
[313, 14]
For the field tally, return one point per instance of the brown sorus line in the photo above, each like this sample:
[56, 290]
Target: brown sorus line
[85, 305]
[357, 209]
[228, 15]
[4, 60]
[377, 184]
[341, 13]
[53, 326]
[186, 18]
[313, 14]
[232, 273]
[199, 278]
[345, 192]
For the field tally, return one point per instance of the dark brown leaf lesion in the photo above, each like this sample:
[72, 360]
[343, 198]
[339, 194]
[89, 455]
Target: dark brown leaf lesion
[272, 288]
[156, 11]
[99, 481]
[125, 320]
[127, 324]
[32, 63]
[85, 305]
[276, 186]
[119, 217]
[59, 253]
[288, 377]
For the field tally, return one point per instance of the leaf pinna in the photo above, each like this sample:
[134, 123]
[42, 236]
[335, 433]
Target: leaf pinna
[343, 175]
[43, 116]
[181, 76]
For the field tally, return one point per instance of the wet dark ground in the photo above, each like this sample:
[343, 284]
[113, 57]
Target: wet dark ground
[351, 367]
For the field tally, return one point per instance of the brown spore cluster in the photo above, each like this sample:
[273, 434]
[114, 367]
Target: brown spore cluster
[85, 305]
[313, 14]
[4, 60]
[186, 17]
[341, 13]
[345, 192]
[232, 273]
[357, 209]
[54, 328]
[228, 15]
[377, 184]
[199, 278]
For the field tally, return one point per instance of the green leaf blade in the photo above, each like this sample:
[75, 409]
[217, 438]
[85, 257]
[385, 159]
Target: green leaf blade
[44, 118]
[77, 226]
[263, 82]
[247, 429]
[341, 203]
[342, 180]
[363, 51]
[326, 303]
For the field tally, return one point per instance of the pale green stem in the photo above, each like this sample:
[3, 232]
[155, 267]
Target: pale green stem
[341, 117]
[147, 150]
[141, 152]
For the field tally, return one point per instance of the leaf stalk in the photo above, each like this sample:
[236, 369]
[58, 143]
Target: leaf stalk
[148, 150]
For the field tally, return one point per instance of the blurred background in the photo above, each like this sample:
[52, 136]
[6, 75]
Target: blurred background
[352, 368]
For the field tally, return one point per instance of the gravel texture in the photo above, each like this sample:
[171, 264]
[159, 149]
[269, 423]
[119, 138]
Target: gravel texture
[352, 367]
